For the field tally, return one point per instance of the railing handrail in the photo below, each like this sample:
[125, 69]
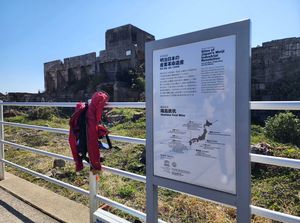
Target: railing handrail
[274, 215]
[73, 104]
[66, 132]
[47, 178]
[275, 105]
[273, 160]
[254, 105]
[254, 209]
[112, 203]
[121, 173]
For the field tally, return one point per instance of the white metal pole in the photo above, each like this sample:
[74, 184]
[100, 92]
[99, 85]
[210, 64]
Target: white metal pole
[93, 193]
[2, 165]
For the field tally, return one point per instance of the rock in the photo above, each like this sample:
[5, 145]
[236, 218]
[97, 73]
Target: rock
[116, 118]
[262, 148]
[9, 113]
[137, 116]
[143, 157]
[105, 207]
[49, 174]
[58, 174]
[59, 163]
[61, 175]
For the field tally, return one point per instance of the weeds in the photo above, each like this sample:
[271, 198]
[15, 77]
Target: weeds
[272, 187]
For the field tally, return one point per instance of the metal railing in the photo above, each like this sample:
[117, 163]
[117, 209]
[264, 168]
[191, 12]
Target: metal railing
[92, 193]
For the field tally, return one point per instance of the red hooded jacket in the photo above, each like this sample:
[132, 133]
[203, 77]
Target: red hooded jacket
[93, 130]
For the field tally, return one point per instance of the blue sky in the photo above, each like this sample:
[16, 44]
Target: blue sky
[36, 31]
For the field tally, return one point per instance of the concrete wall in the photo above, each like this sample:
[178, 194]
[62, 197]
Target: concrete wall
[125, 49]
[272, 63]
[58, 75]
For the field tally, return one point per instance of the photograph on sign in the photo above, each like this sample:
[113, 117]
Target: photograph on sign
[194, 113]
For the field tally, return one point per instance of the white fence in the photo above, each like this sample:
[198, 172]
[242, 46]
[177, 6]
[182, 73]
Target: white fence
[92, 193]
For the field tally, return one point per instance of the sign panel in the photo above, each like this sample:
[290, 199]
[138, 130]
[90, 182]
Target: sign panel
[194, 113]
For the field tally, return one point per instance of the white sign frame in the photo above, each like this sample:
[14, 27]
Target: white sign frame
[239, 195]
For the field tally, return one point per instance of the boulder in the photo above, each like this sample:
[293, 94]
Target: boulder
[116, 118]
[262, 148]
[59, 163]
[137, 116]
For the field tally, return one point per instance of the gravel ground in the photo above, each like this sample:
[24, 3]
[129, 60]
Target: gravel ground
[13, 210]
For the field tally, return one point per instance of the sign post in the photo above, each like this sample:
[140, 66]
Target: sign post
[197, 104]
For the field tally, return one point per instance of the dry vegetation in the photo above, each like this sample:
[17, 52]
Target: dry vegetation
[274, 188]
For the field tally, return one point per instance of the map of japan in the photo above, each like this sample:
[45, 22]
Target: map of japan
[203, 135]
[181, 140]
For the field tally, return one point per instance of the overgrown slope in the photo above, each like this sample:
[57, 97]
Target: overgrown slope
[272, 187]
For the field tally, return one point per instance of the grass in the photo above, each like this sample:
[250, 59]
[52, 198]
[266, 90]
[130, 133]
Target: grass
[128, 126]
[279, 192]
[274, 188]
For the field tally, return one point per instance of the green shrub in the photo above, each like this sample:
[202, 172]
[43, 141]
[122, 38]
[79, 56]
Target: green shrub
[140, 84]
[256, 130]
[42, 113]
[258, 134]
[283, 128]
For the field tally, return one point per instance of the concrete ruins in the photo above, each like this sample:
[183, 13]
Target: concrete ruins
[72, 78]
[275, 70]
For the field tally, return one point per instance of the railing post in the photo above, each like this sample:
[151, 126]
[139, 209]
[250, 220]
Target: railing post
[2, 165]
[93, 192]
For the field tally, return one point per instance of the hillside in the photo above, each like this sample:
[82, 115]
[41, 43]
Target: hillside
[272, 187]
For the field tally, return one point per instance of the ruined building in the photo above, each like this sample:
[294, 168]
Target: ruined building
[76, 78]
[275, 70]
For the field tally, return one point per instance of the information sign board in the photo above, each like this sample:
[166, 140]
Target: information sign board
[198, 117]
[194, 113]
